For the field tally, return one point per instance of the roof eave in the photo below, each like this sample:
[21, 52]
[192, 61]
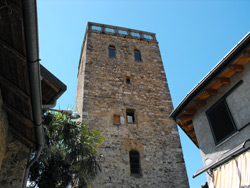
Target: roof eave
[220, 67]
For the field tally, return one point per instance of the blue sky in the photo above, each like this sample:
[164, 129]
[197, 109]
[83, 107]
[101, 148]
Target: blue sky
[193, 36]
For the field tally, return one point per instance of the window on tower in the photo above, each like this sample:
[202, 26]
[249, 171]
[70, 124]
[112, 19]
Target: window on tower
[117, 119]
[111, 51]
[135, 166]
[130, 115]
[137, 55]
[128, 80]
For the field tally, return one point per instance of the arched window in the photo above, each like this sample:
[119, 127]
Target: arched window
[135, 166]
[111, 51]
[137, 55]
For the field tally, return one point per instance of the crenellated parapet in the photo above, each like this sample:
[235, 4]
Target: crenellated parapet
[121, 31]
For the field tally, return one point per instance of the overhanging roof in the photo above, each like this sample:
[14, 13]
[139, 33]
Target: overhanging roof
[52, 87]
[15, 71]
[233, 62]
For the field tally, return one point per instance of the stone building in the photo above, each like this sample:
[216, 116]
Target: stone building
[122, 90]
[215, 116]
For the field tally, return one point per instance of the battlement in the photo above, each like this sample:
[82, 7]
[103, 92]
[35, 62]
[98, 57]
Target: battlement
[121, 31]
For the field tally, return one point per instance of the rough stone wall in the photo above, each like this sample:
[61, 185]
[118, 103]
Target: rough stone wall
[105, 94]
[81, 80]
[13, 155]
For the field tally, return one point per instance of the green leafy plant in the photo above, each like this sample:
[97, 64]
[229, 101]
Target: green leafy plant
[70, 154]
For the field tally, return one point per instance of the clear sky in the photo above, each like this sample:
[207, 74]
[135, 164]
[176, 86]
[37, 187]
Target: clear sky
[193, 35]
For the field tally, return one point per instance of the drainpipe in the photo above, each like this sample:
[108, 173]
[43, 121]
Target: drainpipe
[31, 38]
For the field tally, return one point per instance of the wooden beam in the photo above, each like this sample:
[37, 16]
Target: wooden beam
[187, 123]
[237, 68]
[9, 85]
[11, 8]
[200, 102]
[192, 134]
[189, 128]
[3, 10]
[17, 10]
[223, 80]
[18, 115]
[211, 91]
[23, 138]
[13, 50]
[51, 85]
[190, 111]
[184, 118]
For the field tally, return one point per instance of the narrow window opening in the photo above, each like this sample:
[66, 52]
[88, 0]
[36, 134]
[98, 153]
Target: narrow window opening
[135, 167]
[128, 80]
[137, 55]
[117, 119]
[130, 115]
[111, 51]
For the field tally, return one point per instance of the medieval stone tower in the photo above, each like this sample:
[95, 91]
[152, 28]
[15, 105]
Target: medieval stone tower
[122, 90]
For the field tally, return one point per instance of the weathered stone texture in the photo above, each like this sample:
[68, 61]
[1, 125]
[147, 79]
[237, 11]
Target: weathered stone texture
[14, 163]
[102, 92]
[13, 155]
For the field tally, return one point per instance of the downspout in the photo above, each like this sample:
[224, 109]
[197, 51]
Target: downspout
[31, 38]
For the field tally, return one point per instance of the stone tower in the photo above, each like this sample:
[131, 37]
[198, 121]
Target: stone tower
[122, 90]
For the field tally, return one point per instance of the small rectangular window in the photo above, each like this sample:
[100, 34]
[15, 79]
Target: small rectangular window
[130, 115]
[128, 80]
[137, 54]
[111, 51]
[117, 119]
[221, 121]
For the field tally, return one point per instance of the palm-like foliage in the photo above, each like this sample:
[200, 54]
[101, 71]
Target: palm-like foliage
[70, 154]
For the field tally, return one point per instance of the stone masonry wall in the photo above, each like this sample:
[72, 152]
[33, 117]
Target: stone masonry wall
[13, 155]
[103, 92]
